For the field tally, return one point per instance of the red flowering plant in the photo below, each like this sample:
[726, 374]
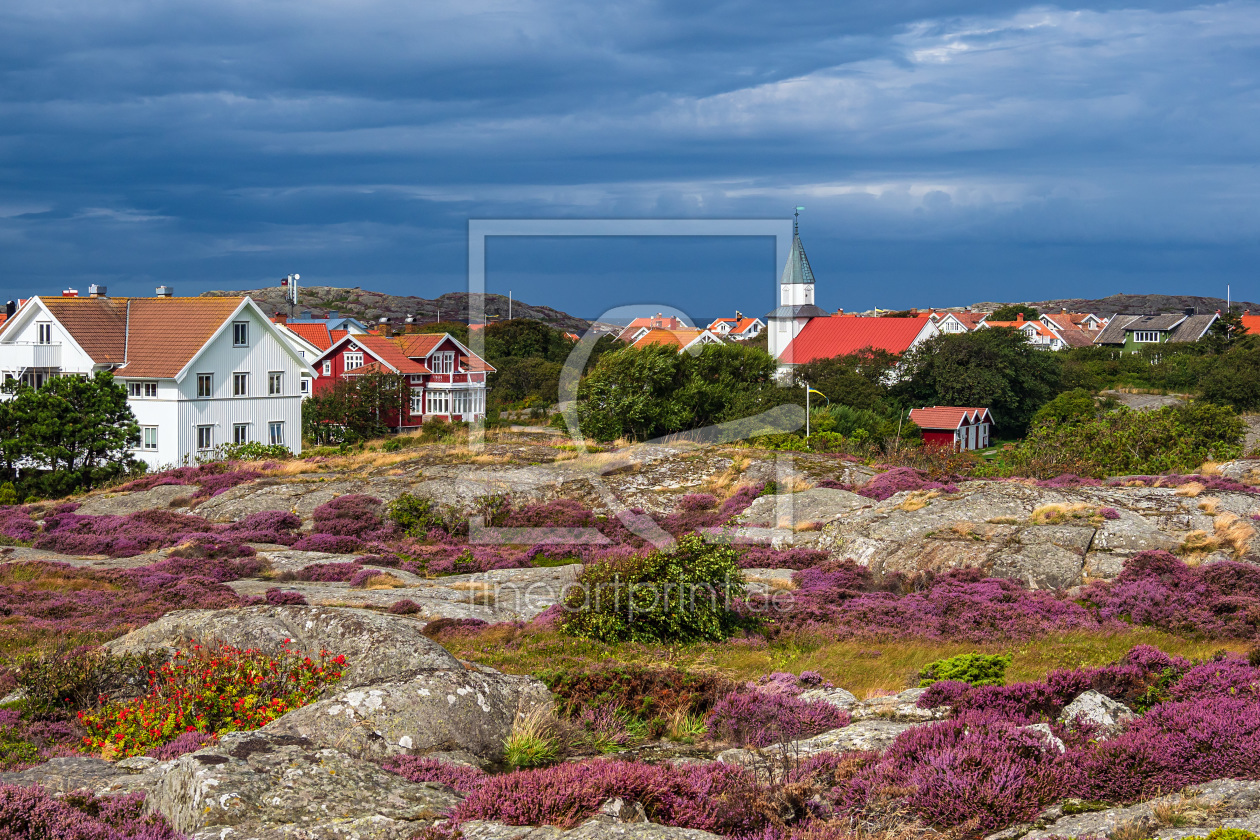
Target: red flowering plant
[210, 690]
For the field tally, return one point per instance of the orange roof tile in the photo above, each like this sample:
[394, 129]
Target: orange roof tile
[826, 338]
[667, 338]
[316, 334]
[386, 350]
[165, 333]
[337, 335]
[98, 325]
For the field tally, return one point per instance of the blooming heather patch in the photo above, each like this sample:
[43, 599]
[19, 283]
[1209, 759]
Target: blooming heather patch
[762, 557]
[329, 544]
[712, 797]
[1218, 600]
[31, 813]
[1211, 483]
[328, 572]
[210, 479]
[899, 480]
[55, 599]
[146, 530]
[352, 515]
[16, 524]
[182, 744]
[759, 719]
[282, 598]
[414, 768]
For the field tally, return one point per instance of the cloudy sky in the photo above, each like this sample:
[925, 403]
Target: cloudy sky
[945, 152]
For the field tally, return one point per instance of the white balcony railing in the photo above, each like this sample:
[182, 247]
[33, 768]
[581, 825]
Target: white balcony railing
[20, 355]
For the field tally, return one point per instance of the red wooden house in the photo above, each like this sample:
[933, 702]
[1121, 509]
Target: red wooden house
[448, 381]
[959, 428]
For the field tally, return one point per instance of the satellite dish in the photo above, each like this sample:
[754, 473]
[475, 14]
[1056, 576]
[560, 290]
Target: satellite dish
[297, 277]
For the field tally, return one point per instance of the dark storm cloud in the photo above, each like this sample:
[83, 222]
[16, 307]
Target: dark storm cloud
[946, 151]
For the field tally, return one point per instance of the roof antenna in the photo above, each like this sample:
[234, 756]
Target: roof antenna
[796, 221]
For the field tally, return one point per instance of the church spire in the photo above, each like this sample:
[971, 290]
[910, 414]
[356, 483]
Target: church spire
[797, 269]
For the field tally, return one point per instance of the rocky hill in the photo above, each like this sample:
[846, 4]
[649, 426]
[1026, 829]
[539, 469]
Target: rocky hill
[1132, 304]
[369, 306]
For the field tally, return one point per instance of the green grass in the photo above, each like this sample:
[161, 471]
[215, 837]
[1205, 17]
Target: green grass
[866, 668]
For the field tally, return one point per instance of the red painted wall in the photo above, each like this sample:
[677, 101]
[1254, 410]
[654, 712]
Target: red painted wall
[938, 438]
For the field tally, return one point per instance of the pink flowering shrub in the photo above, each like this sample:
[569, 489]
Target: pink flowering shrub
[328, 572]
[282, 598]
[1213, 483]
[404, 607]
[217, 569]
[211, 479]
[899, 480]
[414, 768]
[697, 501]
[266, 526]
[31, 813]
[711, 797]
[17, 525]
[759, 719]
[1109, 513]
[352, 515]
[1219, 600]
[25, 743]
[182, 744]
[1068, 481]
[557, 513]
[763, 557]
[329, 544]
[55, 599]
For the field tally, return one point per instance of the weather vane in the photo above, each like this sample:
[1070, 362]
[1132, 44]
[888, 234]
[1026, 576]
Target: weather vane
[796, 222]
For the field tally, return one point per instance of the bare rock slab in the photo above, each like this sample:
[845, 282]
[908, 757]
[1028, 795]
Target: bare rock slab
[378, 648]
[468, 712]
[277, 786]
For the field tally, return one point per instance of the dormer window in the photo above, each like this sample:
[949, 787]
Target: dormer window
[444, 362]
[44, 332]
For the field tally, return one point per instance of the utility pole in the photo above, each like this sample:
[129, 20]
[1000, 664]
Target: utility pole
[806, 410]
[290, 286]
[509, 304]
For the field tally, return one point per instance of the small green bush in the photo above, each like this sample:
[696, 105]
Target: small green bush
[74, 680]
[416, 515]
[392, 445]
[8, 494]
[974, 668]
[253, 451]
[683, 595]
[1226, 834]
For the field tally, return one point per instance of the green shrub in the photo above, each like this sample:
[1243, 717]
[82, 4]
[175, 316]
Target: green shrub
[253, 451]
[641, 692]
[1226, 834]
[73, 680]
[973, 668]
[1072, 406]
[534, 741]
[417, 515]
[683, 595]
[8, 494]
[392, 445]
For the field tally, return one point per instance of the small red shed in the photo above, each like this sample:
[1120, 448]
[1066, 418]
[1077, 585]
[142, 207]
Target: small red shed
[954, 426]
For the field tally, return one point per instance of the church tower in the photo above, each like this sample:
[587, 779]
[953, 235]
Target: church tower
[796, 298]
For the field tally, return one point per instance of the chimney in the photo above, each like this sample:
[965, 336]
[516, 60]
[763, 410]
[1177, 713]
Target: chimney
[280, 318]
[97, 291]
[306, 314]
[333, 313]
[1020, 318]
[1188, 311]
[410, 319]
[70, 293]
[10, 309]
[165, 291]
[739, 316]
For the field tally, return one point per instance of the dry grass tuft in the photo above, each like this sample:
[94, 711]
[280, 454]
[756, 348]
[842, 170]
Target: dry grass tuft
[1055, 514]
[1209, 468]
[1198, 542]
[383, 580]
[918, 499]
[1190, 489]
[1233, 532]
[963, 529]
[1210, 506]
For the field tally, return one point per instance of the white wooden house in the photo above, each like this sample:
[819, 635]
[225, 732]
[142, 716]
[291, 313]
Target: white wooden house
[199, 372]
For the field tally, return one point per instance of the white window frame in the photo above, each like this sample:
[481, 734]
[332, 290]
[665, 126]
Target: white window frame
[240, 384]
[206, 379]
[240, 333]
[417, 404]
[353, 361]
[444, 362]
[306, 385]
[275, 432]
[205, 438]
[148, 440]
[44, 331]
[1146, 336]
[439, 402]
[275, 383]
[327, 367]
[240, 433]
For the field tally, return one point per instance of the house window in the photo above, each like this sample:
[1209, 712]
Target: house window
[45, 332]
[205, 438]
[460, 402]
[205, 384]
[240, 334]
[240, 384]
[306, 385]
[275, 383]
[354, 360]
[439, 402]
[240, 433]
[444, 362]
[417, 404]
[148, 437]
[1146, 336]
[783, 326]
[277, 433]
[327, 368]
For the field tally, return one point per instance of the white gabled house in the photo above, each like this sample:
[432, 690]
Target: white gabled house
[199, 372]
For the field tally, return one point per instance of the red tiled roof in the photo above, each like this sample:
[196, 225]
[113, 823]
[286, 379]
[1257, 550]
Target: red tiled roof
[1252, 323]
[386, 350]
[337, 335]
[1078, 337]
[826, 338]
[418, 345]
[946, 416]
[316, 334]
[668, 338]
[1038, 327]
[970, 320]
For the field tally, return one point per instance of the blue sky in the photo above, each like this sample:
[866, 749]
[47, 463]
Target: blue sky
[945, 152]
